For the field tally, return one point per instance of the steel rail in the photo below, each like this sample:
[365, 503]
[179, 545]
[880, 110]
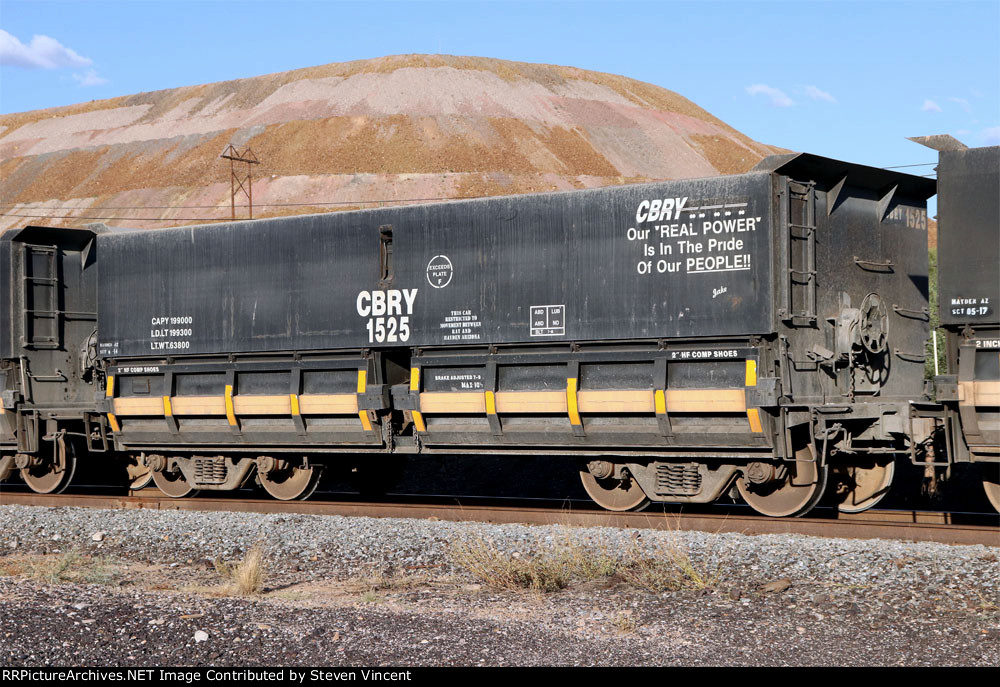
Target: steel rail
[899, 525]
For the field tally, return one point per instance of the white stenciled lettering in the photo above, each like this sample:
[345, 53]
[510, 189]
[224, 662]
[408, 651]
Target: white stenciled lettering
[388, 312]
[730, 226]
[660, 209]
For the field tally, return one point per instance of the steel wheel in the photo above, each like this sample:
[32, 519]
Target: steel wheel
[789, 495]
[614, 494]
[991, 484]
[290, 483]
[173, 484]
[55, 475]
[859, 487]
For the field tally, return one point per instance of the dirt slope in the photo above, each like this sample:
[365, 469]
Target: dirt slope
[353, 134]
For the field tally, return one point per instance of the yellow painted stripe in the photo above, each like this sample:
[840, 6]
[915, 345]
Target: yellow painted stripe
[110, 393]
[706, 400]
[293, 402]
[753, 414]
[460, 402]
[574, 413]
[491, 403]
[167, 410]
[531, 402]
[606, 401]
[230, 411]
[362, 386]
[418, 417]
[660, 402]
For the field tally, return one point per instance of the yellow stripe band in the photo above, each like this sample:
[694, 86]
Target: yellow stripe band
[418, 417]
[660, 402]
[574, 412]
[110, 393]
[362, 386]
[753, 414]
[491, 403]
[167, 410]
[294, 401]
[230, 412]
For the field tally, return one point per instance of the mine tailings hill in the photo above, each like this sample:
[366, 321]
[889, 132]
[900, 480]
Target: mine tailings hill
[355, 134]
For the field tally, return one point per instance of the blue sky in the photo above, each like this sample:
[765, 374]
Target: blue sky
[846, 80]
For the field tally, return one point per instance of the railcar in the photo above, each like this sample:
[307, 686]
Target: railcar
[968, 415]
[760, 334]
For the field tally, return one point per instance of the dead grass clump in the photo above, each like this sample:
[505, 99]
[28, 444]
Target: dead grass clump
[382, 579]
[71, 566]
[543, 572]
[669, 568]
[247, 576]
[666, 566]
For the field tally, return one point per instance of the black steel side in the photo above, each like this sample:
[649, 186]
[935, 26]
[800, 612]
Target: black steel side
[969, 236]
[540, 268]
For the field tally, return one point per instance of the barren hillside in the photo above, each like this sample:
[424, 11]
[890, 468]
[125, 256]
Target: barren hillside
[353, 134]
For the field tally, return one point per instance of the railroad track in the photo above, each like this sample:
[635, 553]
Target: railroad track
[945, 528]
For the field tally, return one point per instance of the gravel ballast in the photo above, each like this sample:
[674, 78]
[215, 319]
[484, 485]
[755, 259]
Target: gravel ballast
[133, 587]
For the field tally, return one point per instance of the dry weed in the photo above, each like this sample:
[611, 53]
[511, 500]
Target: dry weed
[544, 572]
[667, 566]
[71, 566]
[246, 577]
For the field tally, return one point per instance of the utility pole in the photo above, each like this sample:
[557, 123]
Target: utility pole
[234, 156]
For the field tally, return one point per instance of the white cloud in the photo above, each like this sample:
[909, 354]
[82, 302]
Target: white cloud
[817, 94]
[90, 78]
[43, 52]
[992, 135]
[930, 106]
[966, 105]
[778, 98]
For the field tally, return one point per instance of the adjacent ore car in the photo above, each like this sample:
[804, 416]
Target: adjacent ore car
[968, 294]
[761, 333]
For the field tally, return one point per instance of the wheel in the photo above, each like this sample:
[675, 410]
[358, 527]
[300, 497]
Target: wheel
[785, 490]
[173, 484]
[614, 494]
[857, 488]
[290, 483]
[991, 484]
[53, 476]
